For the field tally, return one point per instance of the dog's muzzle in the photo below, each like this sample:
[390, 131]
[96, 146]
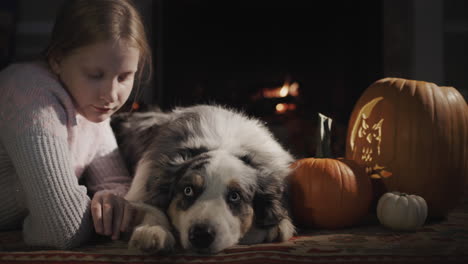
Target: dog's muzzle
[201, 236]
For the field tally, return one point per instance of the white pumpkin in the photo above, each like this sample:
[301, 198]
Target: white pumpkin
[400, 211]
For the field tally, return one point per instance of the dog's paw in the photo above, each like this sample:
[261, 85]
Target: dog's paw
[152, 239]
[282, 232]
[278, 233]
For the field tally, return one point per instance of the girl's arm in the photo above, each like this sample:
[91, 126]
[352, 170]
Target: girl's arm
[34, 134]
[58, 208]
[107, 171]
[108, 181]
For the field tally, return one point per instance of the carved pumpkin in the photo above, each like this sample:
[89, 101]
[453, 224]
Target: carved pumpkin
[326, 192]
[412, 137]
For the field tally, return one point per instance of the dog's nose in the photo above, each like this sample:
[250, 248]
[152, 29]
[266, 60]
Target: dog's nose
[201, 235]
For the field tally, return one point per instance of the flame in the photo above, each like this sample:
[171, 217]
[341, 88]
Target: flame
[282, 108]
[294, 89]
[283, 91]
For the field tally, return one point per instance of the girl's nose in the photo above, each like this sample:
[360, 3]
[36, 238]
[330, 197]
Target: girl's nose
[109, 91]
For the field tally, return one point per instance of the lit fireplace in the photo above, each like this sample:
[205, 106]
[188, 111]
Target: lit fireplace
[283, 96]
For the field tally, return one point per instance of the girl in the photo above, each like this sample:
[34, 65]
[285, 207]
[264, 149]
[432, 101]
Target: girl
[54, 119]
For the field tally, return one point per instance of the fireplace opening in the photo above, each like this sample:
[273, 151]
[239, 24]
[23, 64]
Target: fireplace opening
[282, 62]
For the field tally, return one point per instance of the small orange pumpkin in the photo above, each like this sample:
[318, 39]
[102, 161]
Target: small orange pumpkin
[329, 193]
[326, 192]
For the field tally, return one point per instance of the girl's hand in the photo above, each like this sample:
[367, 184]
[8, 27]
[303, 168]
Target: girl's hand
[112, 214]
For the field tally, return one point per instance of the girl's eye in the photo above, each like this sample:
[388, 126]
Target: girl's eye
[188, 191]
[234, 197]
[124, 77]
[96, 76]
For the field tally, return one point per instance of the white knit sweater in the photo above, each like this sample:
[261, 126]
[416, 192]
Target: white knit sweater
[45, 148]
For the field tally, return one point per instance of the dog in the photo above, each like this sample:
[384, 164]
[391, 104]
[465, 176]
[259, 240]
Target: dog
[206, 177]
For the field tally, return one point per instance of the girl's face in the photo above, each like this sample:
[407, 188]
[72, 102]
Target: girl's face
[99, 77]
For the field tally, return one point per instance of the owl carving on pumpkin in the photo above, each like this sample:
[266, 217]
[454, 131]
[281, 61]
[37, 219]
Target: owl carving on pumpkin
[371, 133]
[366, 140]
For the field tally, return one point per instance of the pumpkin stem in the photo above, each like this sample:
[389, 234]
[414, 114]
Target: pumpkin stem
[323, 136]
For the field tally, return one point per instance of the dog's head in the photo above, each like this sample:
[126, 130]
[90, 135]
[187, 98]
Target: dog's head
[217, 174]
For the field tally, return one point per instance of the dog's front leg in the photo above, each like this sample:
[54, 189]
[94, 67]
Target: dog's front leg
[280, 233]
[153, 233]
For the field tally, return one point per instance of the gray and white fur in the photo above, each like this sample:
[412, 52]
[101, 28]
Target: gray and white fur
[207, 177]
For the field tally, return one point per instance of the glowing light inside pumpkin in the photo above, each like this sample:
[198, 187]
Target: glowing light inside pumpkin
[365, 112]
[368, 131]
[370, 135]
[378, 172]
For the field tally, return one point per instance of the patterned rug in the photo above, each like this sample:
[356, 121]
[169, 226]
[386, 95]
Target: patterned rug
[444, 241]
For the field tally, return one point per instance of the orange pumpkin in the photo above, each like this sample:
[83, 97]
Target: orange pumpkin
[412, 137]
[329, 193]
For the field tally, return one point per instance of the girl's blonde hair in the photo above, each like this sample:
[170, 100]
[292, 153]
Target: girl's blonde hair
[84, 22]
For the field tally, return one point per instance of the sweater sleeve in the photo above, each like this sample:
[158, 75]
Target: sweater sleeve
[107, 171]
[35, 138]
[58, 207]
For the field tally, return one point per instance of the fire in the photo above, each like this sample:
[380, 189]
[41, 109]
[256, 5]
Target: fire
[282, 108]
[283, 91]
[294, 89]
[286, 91]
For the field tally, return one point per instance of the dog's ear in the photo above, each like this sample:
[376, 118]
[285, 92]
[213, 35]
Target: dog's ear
[269, 202]
[134, 132]
[166, 175]
[160, 189]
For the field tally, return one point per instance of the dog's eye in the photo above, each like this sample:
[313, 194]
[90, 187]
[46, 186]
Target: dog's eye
[197, 151]
[188, 191]
[188, 153]
[246, 159]
[234, 197]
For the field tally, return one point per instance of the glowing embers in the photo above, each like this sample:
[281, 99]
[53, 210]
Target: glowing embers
[284, 107]
[283, 91]
[279, 100]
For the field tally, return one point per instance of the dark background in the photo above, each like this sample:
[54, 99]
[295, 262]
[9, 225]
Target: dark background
[226, 52]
